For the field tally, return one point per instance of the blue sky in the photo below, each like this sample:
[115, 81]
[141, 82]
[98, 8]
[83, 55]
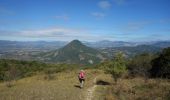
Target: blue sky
[86, 20]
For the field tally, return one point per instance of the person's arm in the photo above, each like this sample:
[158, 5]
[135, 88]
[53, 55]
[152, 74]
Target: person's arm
[78, 75]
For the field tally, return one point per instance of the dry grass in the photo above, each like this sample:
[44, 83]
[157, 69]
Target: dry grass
[138, 89]
[132, 89]
[103, 84]
[62, 87]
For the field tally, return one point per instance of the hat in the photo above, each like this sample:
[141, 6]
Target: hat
[82, 70]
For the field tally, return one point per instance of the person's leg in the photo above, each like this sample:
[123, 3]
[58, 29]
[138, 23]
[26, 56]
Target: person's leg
[82, 82]
[79, 80]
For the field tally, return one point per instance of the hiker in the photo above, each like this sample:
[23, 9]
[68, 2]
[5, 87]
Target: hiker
[81, 77]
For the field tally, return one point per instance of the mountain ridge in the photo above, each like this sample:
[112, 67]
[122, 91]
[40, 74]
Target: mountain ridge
[74, 52]
[58, 44]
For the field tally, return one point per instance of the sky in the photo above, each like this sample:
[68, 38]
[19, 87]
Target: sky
[86, 20]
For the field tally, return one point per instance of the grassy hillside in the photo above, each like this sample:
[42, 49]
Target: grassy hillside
[65, 86]
[110, 80]
[139, 89]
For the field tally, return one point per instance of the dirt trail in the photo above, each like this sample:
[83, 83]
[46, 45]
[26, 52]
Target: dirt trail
[90, 91]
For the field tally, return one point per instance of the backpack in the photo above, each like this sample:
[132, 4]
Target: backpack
[81, 75]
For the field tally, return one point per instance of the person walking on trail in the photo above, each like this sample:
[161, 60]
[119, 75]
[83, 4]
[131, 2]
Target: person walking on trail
[81, 77]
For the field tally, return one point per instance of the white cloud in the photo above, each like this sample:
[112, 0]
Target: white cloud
[135, 26]
[55, 33]
[4, 11]
[104, 4]
[51, 32]
[165, 21]
[62, 17]
[119, 2]
[98, 14]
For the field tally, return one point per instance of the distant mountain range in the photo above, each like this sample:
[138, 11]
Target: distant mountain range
[58, 44]
[36, 45]
[162, 44]
[73, 52]
[131, 51]
[106, 43]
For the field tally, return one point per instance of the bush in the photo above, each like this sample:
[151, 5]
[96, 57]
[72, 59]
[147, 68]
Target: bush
[18, 69]
[116, 67]
[49, 74]
[161, 65]
[140, 65]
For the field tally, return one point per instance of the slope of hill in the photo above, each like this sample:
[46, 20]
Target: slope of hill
[65, 86]
[74, 52]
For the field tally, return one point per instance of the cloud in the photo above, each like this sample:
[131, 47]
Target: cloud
[62, 17]
[4, 11]
[98, 15]
[135, 26]
[119, 2]
[55, 33]
[104, 4]
[51, 32]
[68, 34]
[165, 21]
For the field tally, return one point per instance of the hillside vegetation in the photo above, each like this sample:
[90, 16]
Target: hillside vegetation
[65, 86]
[14, 69]
[73, 53]
[143, 77]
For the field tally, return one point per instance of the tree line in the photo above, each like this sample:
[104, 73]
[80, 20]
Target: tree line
[15, 69]
[143, 65]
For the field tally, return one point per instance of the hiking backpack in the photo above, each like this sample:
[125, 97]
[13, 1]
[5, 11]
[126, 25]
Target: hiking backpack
[81, 75]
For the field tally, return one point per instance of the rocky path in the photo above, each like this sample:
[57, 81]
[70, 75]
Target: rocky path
[90, 91]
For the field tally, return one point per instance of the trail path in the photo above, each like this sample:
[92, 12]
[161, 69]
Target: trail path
[90, 91]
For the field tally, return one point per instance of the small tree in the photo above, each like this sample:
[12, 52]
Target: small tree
[49, 74]
[117, 66]
[11, 75]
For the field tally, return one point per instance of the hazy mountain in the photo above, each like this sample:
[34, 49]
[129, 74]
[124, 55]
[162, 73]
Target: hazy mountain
[34, 45]
[106, 43]
[74, 52]
[131, 51]
[48, 50]
[162, 44]
[45, 45]
[26, 50]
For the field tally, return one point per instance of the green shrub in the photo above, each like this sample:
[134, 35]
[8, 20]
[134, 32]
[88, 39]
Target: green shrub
[116, 67]
[140, 65]
[161, 64]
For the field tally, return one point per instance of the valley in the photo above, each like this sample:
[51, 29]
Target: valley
[47, 51]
